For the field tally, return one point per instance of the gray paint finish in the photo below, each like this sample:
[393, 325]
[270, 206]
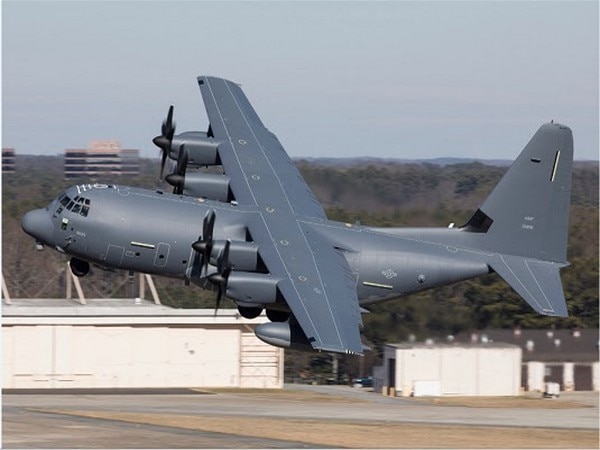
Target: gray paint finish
[272, 247]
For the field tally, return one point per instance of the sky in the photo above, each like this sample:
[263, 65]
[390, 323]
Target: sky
[332, 79]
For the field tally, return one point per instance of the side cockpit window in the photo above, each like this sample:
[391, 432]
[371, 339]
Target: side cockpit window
[64, 200]
[78, 205]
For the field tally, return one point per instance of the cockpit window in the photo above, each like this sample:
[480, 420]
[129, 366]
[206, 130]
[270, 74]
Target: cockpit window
[78, 205]
[64, 200]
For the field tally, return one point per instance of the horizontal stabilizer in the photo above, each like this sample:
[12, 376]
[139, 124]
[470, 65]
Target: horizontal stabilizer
[538, 282]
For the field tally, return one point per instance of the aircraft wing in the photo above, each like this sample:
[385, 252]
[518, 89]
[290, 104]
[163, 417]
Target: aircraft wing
[316, 282]
[314, 277]
[261, 172]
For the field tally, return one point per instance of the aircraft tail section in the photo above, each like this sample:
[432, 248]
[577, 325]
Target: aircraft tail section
[538, 282]
[524, 221]
[527, 213]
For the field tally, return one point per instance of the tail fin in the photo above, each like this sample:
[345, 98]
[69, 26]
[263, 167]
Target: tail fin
[527, 213]
[526, 217]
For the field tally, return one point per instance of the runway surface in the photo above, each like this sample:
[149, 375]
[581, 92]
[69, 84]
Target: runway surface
[297, 417]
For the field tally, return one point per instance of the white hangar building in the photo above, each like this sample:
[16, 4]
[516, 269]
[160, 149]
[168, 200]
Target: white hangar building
[450, 369]
[56, 343]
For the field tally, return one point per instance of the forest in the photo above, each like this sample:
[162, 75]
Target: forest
[376, 194]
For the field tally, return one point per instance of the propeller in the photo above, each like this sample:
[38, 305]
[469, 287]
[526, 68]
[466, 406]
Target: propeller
[220, 278]
[204, 244]
[177, 178]
[165, 140]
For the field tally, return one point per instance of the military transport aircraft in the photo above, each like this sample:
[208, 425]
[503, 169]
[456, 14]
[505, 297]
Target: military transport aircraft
[257, 234]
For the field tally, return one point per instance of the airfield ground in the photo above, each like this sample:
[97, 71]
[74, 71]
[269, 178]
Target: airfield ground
[296, 417]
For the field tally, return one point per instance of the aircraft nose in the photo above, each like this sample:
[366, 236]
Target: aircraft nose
[37, 223]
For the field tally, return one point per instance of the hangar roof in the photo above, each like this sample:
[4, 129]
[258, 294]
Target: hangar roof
[56, 310]
[420, 346]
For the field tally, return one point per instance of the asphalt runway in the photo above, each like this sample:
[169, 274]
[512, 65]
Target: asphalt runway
[165, 418]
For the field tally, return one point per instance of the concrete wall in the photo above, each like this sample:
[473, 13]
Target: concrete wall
[102, 352]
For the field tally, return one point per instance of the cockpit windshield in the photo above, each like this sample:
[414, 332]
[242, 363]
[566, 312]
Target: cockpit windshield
[78, 205]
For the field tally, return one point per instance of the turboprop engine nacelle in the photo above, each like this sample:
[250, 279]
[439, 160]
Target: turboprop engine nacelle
[207, 185]
[201, 149]
[283, 334]
[250, 287]
[243, 256]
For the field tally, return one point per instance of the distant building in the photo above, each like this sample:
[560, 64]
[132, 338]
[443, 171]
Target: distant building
[492, 362]
[8, 160]
[567, 357]
[449, 369]
[100, 159]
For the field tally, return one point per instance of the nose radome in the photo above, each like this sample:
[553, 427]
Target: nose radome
[37, 223]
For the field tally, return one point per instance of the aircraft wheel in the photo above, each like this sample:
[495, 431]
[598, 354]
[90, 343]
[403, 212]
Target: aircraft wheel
[249, 313]
[277, 316]
[79, 268]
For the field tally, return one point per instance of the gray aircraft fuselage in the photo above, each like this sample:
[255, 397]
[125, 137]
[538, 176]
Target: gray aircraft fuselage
[257, 234]
[118, 232]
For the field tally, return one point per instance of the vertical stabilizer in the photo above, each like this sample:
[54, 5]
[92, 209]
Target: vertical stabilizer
[527, 213]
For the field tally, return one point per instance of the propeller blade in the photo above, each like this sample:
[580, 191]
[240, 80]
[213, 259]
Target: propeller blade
[218, 300]
[220, 278]
[208, 225]
[223, 263]
[169, 126]
[163, 161]
[204, 243]
[182, 160]
[164, 141]
[177, 179]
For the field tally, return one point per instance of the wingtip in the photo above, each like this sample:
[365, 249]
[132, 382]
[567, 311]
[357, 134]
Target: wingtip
[204, 79]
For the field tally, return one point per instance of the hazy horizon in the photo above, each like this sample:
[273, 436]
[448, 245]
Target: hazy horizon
[334, 79]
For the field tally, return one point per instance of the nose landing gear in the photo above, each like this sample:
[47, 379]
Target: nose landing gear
[79, 267]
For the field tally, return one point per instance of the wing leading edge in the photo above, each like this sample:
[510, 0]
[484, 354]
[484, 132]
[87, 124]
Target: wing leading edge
[261, 172]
